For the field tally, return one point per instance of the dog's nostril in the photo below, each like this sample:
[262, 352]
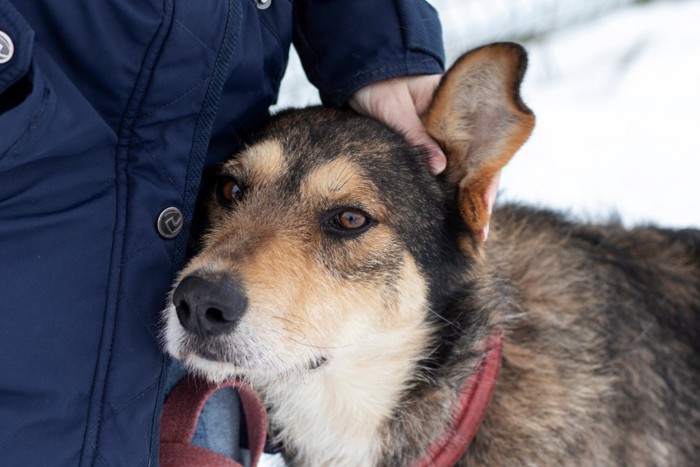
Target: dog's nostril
[183, 310]
[215, 315]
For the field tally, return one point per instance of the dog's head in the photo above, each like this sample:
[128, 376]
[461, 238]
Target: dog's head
[330, 240]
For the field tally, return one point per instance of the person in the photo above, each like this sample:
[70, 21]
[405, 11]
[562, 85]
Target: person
[110, 115]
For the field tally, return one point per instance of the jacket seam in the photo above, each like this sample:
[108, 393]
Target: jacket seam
[117, 411]
[99, 458]
[102, 370]
[200, 144]
[202, 131]
[149, 112]
[139, 250]
[185, 93]
[22, 139]
[196, 37]
[163, 172]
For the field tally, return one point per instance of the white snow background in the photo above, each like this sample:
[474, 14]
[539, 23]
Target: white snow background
[615, 86]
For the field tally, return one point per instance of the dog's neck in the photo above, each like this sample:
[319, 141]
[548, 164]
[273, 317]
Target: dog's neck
[355, 410]
[334, 415]
[469, 411]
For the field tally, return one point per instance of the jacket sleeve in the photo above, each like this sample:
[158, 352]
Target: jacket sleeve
[347, 44]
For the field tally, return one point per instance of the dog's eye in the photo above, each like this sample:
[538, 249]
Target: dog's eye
[351, 220]
[348, 221]
[230, 191]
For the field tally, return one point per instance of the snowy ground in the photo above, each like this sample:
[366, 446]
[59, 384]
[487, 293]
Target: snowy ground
[615, 97]
[618, 126]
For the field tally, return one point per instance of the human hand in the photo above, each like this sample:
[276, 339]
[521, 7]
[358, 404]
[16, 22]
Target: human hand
[399, 103]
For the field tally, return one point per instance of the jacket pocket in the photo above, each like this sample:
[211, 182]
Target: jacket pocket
[24, 93]
[30, 99]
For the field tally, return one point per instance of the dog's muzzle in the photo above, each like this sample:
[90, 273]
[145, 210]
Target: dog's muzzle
[209, 305]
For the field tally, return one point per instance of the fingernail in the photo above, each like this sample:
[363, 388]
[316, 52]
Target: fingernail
[483, 234]
[437, 162]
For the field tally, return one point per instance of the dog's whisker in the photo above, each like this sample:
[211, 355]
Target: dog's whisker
[451, 323]
[338, 186]
[296, 325]
[320, 347]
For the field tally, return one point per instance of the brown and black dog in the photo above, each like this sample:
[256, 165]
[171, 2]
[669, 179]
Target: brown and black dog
[357, 293]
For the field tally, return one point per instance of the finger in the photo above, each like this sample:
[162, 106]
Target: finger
[395, 104]
[419, 137]
[491, 191]
[406, 121]
[399, 112]
[489, 201]
[422, 89]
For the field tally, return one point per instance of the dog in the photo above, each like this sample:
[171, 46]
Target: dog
[360, 296]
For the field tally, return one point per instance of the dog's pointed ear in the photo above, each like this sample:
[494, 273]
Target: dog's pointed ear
[479, 120]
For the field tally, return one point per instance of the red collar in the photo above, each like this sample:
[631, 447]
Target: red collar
[183, 406]
[180, 414]
[470, 410]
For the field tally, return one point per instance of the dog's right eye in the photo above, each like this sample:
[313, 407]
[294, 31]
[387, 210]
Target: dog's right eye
[347, 222]
[230, 191]
[351, 219]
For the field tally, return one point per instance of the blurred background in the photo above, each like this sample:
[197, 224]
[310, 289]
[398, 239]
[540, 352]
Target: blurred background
[615, 86]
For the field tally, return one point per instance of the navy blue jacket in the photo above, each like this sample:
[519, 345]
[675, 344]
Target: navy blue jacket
[109, 110]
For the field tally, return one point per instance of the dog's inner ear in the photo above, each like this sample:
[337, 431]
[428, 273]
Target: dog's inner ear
[478, 118]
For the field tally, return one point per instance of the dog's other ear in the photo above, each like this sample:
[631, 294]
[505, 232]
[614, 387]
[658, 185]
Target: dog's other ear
[478, 118]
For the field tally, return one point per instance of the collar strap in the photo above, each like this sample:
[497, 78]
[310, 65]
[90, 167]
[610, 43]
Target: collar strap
[181, 411]
[184, 405]
[469, 410]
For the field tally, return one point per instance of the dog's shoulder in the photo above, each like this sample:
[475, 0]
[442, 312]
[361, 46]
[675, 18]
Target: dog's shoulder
[600, 317]
[528, 233]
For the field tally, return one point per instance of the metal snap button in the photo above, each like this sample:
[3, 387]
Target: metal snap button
[7, 48]
[170, 222]
[263, 4]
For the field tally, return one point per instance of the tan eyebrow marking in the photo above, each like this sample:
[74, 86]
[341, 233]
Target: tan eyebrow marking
[264, 162]
[333, 179]
[343, 181]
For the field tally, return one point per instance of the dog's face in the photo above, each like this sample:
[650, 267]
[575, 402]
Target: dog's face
[318, 230]
[329, 235]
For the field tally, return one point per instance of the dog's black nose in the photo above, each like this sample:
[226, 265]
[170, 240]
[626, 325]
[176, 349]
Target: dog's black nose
[209, 306]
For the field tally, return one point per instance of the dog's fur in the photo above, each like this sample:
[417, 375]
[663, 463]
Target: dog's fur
[359, 341]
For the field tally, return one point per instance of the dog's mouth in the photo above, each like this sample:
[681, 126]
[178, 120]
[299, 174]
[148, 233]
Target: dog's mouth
[220, 360]
[242, 352]
[215, 357]
[313, 364]
[317, 362]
